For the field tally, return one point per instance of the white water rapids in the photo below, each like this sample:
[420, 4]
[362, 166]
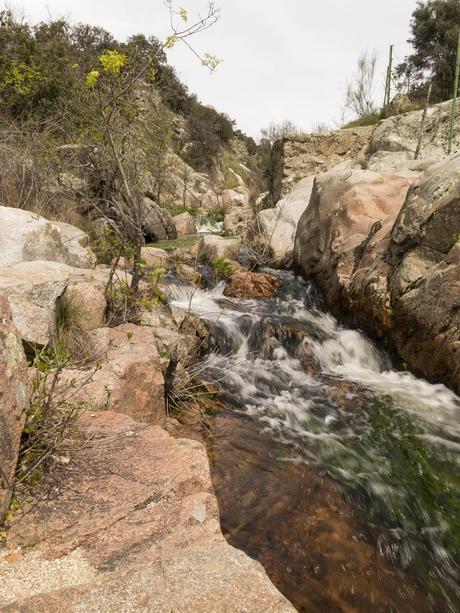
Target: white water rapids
[333, 399]
[342, 352]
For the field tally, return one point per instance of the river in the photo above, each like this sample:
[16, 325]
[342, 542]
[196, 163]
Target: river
[337, 471]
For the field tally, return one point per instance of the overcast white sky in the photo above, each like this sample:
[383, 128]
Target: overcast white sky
[283, 59]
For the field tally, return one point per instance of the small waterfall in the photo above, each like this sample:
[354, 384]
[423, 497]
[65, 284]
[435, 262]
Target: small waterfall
[206, 226]
[254, 324]
[332, 397]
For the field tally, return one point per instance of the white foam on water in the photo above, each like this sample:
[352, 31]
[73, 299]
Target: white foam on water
[343, 352]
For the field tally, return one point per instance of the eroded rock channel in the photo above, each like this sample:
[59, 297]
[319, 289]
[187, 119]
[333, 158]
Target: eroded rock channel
[333, 468]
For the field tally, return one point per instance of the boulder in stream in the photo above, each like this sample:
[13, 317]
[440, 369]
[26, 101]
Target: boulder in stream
[247, 284]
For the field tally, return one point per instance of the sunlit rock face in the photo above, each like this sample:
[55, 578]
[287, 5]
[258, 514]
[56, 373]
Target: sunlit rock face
[389, 257]
[28, 237]
[296, 157]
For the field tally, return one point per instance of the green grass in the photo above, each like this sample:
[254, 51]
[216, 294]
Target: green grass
[223, 269]
[178, 209]
[367, 120]
[176, 243]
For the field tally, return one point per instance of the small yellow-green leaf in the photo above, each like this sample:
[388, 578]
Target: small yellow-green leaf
[92, 78]
[113, 61]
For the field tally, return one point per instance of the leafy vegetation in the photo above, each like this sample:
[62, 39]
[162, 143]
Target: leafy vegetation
[46, 68]
[434, 35]
[223, 269]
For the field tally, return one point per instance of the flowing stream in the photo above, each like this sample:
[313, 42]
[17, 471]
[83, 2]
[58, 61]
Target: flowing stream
[335, 470]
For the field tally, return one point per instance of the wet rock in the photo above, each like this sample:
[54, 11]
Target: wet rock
[389, 257]
[211, 248]
[133, 525]
[129, 379]
[185, 224]
[14, 396]
[26, 237]
[251, 285]
[188, 273]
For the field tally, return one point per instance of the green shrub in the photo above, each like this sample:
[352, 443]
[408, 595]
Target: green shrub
[178, 209]
[366, 120]
[216, 215]
[223, 269]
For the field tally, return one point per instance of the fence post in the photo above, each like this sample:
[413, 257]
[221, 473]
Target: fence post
[386, 102]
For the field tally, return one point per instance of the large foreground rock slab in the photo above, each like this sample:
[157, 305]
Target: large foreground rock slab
[14, 398]
[25, 237]
[131, 526]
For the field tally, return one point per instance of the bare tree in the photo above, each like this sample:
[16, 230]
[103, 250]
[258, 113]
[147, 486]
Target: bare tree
[114, 87]
[277, 131]
[359, 97]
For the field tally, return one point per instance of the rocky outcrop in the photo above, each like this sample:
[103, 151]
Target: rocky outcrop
[34, 289]
[128, 379]
[189, 273]
[278, 225]
[251, 285]
[345, 212]
[158, 225]
[27, 237]
[185, 224]
[399, 133]
[424, 253]
[132, 525]
[297, 157]
[388, 256]
[14, 398]
[90, 300]
[154, 257]
[212, 248]
[231, 198]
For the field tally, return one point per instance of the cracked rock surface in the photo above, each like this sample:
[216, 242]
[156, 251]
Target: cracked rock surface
[129, 524]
